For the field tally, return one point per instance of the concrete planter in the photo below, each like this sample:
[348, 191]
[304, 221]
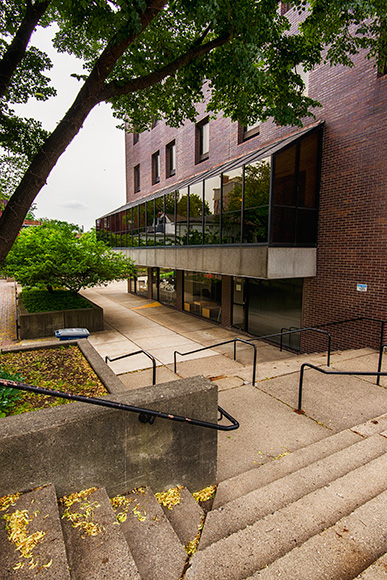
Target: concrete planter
[42, 324]
[81, 445]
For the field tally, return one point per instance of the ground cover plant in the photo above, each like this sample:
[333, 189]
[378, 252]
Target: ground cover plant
[63, 369]
[36, 300]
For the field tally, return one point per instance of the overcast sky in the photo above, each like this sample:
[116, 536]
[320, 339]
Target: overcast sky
[89, 178]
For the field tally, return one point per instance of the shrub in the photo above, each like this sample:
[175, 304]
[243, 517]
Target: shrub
[36, 300]
[8, 396]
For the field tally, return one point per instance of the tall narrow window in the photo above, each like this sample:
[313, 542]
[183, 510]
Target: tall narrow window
[156, 167]
[170, 159]
[203, 140]
[136, 137]
[285, 7]
[136, 174]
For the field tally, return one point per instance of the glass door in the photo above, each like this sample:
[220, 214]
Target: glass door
[239, 311]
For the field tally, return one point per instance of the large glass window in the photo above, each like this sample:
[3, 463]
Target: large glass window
[182, 216]
[256, 202]
[142, 282]
[170, 219]
[232, 187]
[196, 214]
[142, 224]
[203, 294]
[212, 210]
[167, 286]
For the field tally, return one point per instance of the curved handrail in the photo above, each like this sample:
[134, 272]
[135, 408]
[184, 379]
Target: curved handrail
[325, 372]
[145, 415]
[142, 351]
[233, 340]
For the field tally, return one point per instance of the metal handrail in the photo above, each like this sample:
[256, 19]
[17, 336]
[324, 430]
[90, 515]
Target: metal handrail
[234, 340]
[16, 314]
[300, 330]
[142, 351]
[381, 350]
[145, 415]
[321, 370]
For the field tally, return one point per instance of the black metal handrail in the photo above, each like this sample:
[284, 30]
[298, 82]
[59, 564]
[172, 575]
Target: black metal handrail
[282, 333]
[324, 371]
[381, 350]
[234, 340]
[16, 314]
[370, 319]
[145, 415]
[142, 351]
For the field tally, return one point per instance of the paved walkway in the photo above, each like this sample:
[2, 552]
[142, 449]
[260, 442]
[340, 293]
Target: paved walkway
[268, 425]
[7, 313]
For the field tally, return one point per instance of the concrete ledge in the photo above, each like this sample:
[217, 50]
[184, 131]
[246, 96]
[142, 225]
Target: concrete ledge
[78, 446]
[251, 261]
[41, 324]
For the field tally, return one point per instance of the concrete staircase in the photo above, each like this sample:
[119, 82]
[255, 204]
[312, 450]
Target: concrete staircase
[317, 513]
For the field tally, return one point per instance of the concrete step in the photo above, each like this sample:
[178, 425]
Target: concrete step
[96, 546]
[154, 544]
[244, 552]
[377, 570]
[240, 485]
[33, 515]
[342, 552]
[371, 427]
[183, 512]
[249, 508]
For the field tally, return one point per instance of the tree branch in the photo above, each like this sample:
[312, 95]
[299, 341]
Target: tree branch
[17, 49]
[113, 89]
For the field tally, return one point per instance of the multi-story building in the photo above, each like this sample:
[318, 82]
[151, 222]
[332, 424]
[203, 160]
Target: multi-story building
[266, 227]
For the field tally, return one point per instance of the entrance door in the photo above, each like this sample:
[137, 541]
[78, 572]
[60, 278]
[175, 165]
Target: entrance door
[239, 310]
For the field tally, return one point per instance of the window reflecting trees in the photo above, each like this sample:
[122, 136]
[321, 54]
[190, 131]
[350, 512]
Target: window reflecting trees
[270, 201]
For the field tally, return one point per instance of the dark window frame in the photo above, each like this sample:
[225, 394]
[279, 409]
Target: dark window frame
[201, 155]
[156, 167]
[170, 159]
[137, 178]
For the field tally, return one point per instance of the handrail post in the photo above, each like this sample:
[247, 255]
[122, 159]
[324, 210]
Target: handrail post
[300, 387]
[254, 363]
[174, 361]
[235, 341]
[281, 337]
[329, 349]
[380, 351]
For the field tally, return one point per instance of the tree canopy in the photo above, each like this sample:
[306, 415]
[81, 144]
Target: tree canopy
[151, 59]
[57, 255]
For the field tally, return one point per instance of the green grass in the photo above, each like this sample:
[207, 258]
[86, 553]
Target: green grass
[36, 300]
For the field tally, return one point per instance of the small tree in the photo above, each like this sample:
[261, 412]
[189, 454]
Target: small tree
[56, 255]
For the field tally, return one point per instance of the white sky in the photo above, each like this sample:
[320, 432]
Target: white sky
[89, 178]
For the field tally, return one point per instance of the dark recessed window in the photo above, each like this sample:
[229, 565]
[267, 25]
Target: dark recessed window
[202, 140]
[251, 130]
[136, 173]
[136, 137]
[156, 167]
[154, 122]
[170, 159]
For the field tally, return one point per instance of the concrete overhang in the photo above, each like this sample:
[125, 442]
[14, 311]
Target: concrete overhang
[251, 261]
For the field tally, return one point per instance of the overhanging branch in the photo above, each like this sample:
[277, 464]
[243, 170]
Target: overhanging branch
[114, 90]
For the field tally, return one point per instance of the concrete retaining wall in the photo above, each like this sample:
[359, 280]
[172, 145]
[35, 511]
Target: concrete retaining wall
[41, 324]
[77, 446]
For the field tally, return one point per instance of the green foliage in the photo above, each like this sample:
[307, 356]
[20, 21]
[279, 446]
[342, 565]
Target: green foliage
[8, 396]
[56, 255]
[36, 300]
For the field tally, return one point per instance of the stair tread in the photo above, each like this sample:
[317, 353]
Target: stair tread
[247, 509]
[377, 570]
[154, 544]
[250, 549]
[248, 481]
[104, 555]
[49, 555]
[340, 552]
[186, 517]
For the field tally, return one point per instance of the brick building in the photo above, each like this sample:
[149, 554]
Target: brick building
[267, 227]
